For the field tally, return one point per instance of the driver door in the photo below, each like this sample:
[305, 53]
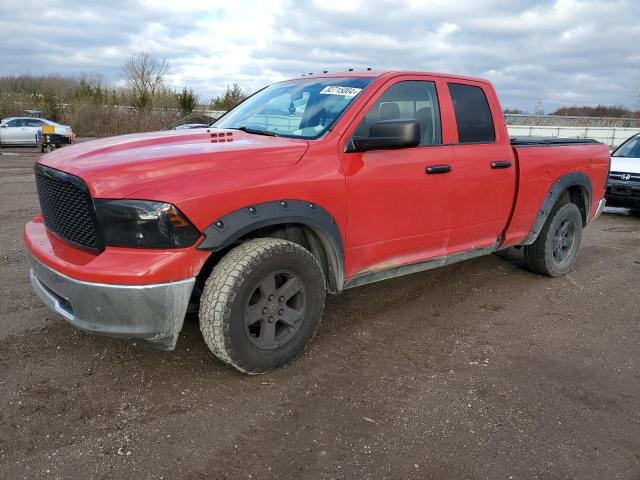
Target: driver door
[397, 202]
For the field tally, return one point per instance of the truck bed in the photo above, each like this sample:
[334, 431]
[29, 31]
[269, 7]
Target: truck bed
[543, 160]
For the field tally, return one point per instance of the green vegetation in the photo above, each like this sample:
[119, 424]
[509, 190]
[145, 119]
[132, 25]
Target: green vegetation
[232, 97]
[187, 101]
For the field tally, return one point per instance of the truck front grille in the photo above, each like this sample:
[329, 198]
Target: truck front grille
[625, 177]
[67, 208]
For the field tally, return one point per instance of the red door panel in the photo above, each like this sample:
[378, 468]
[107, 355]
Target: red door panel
[396, 213]
[482, 197]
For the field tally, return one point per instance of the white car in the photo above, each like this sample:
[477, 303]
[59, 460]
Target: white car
[23, 130]
[623, 187]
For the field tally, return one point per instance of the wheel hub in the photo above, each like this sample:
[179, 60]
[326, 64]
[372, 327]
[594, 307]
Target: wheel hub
[275, 310]
[563, 241]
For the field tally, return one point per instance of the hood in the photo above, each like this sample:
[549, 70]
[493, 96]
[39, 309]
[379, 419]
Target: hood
[117, 167]
[625, 164]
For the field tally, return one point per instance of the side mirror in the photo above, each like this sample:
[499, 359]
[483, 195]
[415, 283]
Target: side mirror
[389, 134]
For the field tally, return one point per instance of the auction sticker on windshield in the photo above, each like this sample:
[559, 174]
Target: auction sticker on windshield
[336, 90]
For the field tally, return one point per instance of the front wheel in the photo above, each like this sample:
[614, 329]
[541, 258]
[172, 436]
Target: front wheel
[554, 251]
[262, 304]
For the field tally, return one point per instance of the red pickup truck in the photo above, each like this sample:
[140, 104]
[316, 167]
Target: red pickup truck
[311, 185]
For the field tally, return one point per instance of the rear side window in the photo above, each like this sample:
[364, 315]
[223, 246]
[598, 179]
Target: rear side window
[473, 116]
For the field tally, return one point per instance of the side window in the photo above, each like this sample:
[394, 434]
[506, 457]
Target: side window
[473, 116]
[16, 123]
[34, 123]
[412, 100]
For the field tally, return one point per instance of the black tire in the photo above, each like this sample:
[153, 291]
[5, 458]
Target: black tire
[252, 326]
[554, 251]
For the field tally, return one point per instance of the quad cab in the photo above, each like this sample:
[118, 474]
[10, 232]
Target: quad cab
[312, 185]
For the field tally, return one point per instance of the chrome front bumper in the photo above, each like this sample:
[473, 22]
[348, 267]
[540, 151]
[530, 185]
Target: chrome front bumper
[152, 314]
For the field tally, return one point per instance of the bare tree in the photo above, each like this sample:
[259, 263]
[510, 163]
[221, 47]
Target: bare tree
[144, 75]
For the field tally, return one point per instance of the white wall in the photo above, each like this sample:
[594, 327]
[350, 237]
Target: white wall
[612, 136]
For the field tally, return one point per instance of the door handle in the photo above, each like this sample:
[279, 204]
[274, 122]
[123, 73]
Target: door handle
[436, 169]
[501, 164]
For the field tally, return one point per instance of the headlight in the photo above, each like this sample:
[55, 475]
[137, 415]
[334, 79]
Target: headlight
[144, 224]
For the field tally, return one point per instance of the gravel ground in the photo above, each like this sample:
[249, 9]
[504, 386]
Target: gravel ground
[476, 370]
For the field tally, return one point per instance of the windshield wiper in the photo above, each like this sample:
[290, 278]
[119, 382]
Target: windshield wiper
[256, 131]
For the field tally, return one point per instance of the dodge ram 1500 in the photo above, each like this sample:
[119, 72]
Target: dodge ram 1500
[311, 185]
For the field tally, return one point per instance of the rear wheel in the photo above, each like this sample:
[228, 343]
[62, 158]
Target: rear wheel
[262, 304]
[554, 251]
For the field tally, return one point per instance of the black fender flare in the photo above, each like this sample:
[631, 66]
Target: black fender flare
[227, 229]
[557, 189]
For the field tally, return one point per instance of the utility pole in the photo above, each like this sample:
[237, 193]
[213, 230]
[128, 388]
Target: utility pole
[538, 109]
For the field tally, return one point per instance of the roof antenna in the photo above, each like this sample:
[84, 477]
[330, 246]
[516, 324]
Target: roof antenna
[325, 71]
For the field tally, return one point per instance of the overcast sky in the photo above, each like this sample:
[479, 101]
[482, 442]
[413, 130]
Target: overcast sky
[564, 52]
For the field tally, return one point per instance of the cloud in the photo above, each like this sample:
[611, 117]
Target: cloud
[563, 52]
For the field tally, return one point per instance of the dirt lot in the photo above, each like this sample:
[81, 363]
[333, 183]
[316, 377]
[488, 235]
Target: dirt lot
[477, 370]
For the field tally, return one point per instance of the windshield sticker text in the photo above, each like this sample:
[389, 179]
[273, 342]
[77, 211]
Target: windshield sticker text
[345, 91]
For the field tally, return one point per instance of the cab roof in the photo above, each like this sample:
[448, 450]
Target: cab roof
[387, 73]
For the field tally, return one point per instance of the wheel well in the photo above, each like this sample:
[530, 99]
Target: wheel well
[300, 234]
[579, 196]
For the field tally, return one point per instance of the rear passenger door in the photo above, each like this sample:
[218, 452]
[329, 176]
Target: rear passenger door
[32, 127]
[483, 179]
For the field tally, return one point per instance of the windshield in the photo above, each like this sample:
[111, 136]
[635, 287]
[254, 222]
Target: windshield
[297, 108]
[631, 148]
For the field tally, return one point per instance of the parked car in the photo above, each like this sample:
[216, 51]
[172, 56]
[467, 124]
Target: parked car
[22, 131]
[373, 175]
[623, 187]
[188, 126]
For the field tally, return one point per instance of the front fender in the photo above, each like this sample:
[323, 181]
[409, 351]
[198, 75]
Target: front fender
[227, 229]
